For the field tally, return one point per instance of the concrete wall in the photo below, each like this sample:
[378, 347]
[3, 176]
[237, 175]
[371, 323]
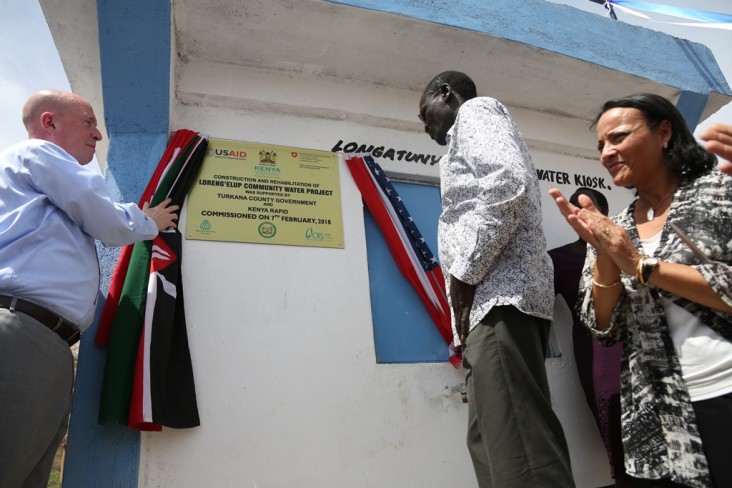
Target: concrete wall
[289, 391]
[281, 337]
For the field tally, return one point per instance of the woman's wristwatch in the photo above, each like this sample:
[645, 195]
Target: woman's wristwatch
[646, 265]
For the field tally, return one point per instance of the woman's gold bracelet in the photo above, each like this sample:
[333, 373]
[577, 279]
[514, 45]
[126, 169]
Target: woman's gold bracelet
[639, 270]
[596, 283]
[611, 285]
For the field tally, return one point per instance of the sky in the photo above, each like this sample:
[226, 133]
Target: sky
[29, 61]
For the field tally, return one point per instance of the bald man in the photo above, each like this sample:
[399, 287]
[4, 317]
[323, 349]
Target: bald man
[52, 208]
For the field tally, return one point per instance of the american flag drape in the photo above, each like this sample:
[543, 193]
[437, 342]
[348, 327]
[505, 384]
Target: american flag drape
[406, 244]
[148, 377]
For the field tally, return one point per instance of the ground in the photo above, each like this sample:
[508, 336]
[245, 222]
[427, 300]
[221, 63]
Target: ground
[54, 481]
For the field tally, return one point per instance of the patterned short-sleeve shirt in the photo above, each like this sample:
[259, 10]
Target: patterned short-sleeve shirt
[490, 231]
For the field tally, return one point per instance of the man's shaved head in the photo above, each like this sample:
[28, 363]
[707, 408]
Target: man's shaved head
[65, 119]
[45, 101]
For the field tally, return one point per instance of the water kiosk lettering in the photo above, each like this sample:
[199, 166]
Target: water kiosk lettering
[383, 152]
[248, 192]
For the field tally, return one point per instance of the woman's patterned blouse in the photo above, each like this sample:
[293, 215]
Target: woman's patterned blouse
[660, 436]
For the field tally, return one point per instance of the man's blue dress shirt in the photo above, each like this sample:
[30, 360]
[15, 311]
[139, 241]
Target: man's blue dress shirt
[51, 211]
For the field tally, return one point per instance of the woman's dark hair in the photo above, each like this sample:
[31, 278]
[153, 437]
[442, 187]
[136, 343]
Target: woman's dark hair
[684, 155]
[458, 81]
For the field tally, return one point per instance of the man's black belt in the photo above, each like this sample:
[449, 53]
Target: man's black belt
[66, 330]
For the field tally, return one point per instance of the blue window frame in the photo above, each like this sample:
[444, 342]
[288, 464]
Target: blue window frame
[403, 330]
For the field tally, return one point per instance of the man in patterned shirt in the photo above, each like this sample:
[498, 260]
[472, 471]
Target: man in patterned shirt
[499, 282]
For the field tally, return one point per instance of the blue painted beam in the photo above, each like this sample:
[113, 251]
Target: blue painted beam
[571, 32]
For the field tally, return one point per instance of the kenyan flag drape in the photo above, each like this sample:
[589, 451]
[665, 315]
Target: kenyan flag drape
[148, 377]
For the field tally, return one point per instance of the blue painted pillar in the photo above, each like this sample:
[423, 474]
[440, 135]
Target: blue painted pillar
[134, 43]
[691, 105]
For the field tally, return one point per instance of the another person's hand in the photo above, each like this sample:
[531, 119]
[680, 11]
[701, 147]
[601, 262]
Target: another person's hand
[164, 214]
[461, 296]
[719, 142]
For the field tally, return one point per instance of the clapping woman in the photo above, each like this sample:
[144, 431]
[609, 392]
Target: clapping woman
[658, 276]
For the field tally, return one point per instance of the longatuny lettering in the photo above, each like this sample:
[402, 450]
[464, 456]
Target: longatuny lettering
[387, 153]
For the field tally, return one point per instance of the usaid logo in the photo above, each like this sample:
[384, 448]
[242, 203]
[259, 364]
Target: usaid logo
[226, 153]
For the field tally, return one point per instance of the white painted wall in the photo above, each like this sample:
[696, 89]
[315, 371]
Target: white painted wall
[289, 391]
